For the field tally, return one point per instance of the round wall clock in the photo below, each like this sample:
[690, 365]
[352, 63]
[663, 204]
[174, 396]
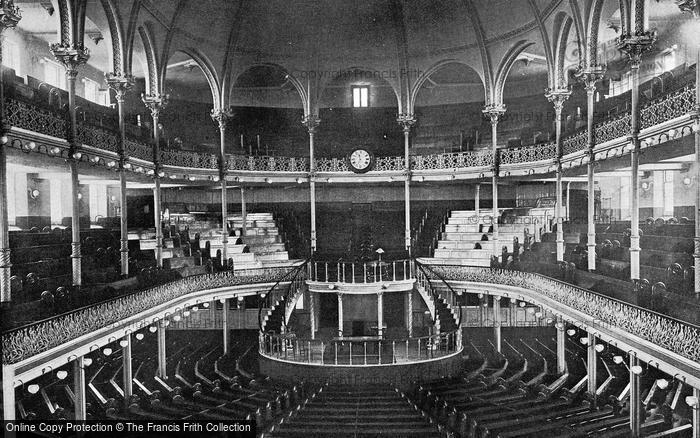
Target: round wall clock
[360, 161]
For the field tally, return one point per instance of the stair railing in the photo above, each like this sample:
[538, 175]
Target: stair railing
[293, 276]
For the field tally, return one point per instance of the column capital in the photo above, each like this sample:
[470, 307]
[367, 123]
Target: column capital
[406, 121]
[9, 15]
[589, 76]
[311, 121]
[155, 102]
[71, 57]
[221, 116]
[557, 96]
[120, 83]
[494, 111]
[692, 6]
[635, 45]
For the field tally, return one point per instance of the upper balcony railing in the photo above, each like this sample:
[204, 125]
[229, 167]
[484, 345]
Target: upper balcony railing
[362, 272]
[29, 118]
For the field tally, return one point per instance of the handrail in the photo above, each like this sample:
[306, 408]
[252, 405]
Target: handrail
[455, 294]
[295, 271]
[35, 338]
[681, 337]
[371, 272]
[344, 351]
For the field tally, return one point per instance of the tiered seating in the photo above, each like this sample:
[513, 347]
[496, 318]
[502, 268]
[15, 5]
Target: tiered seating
[356, 411]
[178, 254]
[466, 240]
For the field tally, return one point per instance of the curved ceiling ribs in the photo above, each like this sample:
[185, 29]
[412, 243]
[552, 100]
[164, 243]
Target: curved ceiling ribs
[398, 17]
[130, 35]
[72, 22]
[546, 44]
[504, 68]
[587, 24]
[562, 30]
[153, 85]
[489, 85]
[231, 46]
[117, 34]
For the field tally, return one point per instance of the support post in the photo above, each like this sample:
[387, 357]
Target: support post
[311, 122]
[155, 104]
[162, 358]
[226, 331]
[244, 212]
[558, 97]
[9, 17]
[121, 84]
[72, 57]
[126, 370]
[592, 362]
[494, 111]
[340, 314]
[8, 393]
[406, 121]
[635, 399]
[409, 313]
[79, 389]
[380, 314]
[561, 346]
[635, 41]
[312, 314]
[497, 322]
[477, 202]
[696, 127]
[221, 117]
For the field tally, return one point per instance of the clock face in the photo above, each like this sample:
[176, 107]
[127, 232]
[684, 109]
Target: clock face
[360, 160]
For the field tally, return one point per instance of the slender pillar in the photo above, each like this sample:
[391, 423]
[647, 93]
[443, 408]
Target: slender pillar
[162, 358]
[9, 17]
[380, 314]
[696, 414]
[494, 111]
[126, 369]
[224, 324]
[590, 76]
[8, 393]
[696, 127]
[558, 97]
[635, 41]
[221, 117]
[244, 212]
[407, 121]
[79, 389]
[155, 104]
[121, 84]
[72, 57]
[311, 122]
[592, 366]
[635, 399]
[312, 314]
[477, 201]
[340, 314]
[409, 312]
[561, 347]
[497, 322]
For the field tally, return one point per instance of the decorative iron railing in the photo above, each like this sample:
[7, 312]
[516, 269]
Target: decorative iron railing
[528, 154]
[669, 333]
[31, 117]
[363, 272]
[452, 160]
[28, 341]
[358, 352]
[268, 163]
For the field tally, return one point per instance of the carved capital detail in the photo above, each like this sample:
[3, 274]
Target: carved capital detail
[406, 121]
[221, 116]
[9, 15]
[557, 96]
[71, 57]
[120, 83]
[691, 6]
[635, 45]
[589, 76]
[311, 122]
[494, 112]
[155, 103]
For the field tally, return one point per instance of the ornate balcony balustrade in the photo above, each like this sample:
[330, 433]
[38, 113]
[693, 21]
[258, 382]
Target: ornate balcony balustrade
[28, 341]
[452, 160]
[31, 117]
[528, 154]
[361, 272]
[668, 333]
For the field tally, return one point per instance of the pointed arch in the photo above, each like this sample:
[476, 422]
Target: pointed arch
[546, 43]
[562, 29]
[117, 34]
[207, 68]
[165, 54]
[504, 68]
[429, 72]
[130, 35]
[153, 84]
[72, 22]
[489, 84]
[226, 81]
[303, 95]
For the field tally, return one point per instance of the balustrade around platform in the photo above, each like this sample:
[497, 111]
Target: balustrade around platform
[359, 351]
[360, 272]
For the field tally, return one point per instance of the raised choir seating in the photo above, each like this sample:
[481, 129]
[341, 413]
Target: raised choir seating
[467, 240]
[517, 393]
[177, 251]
